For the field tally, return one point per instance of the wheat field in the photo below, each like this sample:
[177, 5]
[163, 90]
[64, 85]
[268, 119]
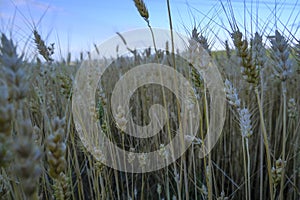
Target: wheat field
[257, 155]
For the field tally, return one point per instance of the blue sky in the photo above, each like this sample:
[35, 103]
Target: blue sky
[76, 25]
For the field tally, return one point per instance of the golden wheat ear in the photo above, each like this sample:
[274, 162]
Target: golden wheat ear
[141, 7]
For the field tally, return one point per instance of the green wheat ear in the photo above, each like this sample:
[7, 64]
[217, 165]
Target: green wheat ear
[6, 117]
[44, 51]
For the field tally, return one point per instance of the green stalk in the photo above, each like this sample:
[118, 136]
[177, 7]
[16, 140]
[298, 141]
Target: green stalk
[266, 142]
[153, 39]
[126, 175]
[167, 184]
[283, 85]
[248, 168]
[143, 185]
[178, 183]
[245, 168]
[208, 175]
[261, 150]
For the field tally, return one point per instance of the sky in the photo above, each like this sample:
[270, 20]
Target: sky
[76, 25]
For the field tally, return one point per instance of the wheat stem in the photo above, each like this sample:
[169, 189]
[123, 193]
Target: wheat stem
[284, 91]
[245, 169]
[266, 142]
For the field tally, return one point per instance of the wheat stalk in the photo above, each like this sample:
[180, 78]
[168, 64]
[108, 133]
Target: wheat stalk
[283, 70]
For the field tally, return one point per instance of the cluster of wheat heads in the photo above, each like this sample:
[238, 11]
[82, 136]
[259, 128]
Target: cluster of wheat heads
[270, 82]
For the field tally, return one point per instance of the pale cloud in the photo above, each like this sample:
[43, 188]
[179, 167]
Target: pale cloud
[4, 16]
[21, 10]
[37, 5]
